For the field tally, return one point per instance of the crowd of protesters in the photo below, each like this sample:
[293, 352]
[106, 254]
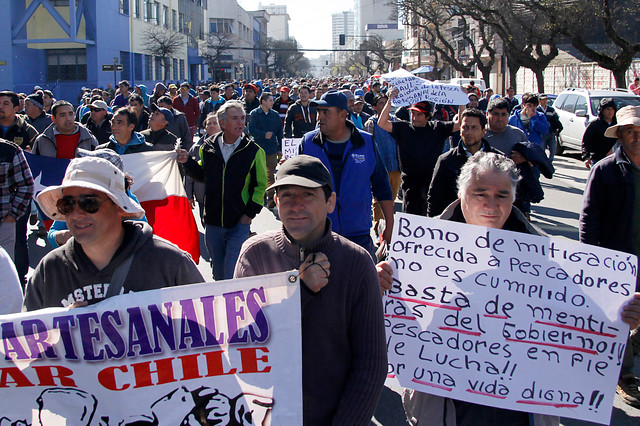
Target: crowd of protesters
[358, 153]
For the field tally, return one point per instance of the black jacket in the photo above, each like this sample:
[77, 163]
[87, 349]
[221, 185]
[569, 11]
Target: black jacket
[595, 145]
[227, 184]
[444, 189]
[101, 132]
[608, 204]
[552, 118]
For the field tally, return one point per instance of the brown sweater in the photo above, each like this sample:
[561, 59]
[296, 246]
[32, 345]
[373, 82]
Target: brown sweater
[344, 360]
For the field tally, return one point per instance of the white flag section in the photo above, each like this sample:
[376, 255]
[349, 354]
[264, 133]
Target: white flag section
[290, 147]
[505, 319]
[228, 352]
[414, 89]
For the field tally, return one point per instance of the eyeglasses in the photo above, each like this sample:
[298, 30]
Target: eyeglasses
[89, 204]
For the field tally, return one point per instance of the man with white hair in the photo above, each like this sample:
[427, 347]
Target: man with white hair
[108, 254]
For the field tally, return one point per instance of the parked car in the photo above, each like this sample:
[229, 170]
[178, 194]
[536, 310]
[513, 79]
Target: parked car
[478, 82]
[578, 107]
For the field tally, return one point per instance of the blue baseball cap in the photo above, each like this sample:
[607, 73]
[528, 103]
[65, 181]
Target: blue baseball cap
[332, 98]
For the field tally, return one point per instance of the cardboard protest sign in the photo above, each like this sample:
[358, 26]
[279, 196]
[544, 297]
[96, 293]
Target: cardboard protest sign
[290, 147]
[414, 89]
[506, 319]
[228, 352]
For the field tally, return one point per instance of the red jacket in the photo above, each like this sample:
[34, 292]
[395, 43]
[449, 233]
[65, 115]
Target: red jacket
[191, 110]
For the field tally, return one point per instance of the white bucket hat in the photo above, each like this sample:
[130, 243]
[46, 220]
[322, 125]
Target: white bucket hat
[91, 173]
[625, 116]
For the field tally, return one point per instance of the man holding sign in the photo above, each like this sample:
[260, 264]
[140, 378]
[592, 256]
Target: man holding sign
[420, 143]
[343, 345]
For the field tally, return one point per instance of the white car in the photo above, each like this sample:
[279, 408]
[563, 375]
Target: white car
[578, 107]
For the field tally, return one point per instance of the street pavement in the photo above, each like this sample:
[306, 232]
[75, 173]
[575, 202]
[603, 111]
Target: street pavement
[557, 215]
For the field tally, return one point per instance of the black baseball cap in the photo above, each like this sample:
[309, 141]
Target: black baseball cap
[303, 170]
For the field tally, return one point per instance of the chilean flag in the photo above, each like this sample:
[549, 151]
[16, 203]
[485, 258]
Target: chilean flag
[157, 184]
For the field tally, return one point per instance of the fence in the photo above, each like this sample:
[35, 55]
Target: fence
[584, 75]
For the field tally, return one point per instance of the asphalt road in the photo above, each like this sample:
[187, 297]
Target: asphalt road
[557, 215]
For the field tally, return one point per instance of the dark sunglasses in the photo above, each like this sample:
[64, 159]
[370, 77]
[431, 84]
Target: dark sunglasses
[89, 204]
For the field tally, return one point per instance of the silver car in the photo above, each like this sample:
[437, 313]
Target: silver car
[578, 107]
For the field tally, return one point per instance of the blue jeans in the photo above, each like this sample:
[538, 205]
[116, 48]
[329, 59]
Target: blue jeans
[224, 246]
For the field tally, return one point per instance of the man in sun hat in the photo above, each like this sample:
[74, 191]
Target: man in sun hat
[343, 344]
[610, 217]
[108, 254]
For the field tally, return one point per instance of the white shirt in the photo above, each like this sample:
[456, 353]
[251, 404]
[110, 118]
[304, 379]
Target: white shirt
[227, 148]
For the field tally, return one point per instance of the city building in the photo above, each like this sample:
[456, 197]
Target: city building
[278, 21]
[342, 27]
[376, 17]
[244, 31]
[62, 45]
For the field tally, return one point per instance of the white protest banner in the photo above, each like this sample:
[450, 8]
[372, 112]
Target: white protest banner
[506, 319]
[412, 89]
[229, 352]
[290, 147]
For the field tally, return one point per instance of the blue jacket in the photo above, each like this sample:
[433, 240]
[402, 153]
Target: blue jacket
[538, 125]
[362, 172]
[261, 123]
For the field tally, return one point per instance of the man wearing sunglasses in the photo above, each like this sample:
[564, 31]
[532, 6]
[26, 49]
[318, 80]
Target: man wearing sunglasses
[108, 254]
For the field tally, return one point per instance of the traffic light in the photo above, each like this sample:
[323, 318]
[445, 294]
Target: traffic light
[342, 40]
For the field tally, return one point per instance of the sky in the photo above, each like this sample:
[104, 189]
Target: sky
[310, 22]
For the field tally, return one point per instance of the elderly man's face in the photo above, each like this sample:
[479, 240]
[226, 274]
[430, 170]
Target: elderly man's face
[233, 125]
[92, 229]
[303, 211]
[488, 200]
[629, 137]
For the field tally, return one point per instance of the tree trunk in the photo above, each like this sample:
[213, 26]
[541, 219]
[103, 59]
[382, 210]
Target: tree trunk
[513, 72]
[621, 78]
[540, 79]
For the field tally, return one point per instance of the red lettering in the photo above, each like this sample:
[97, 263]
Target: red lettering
[47, 378]
[143, 371]
[190, 367]
[250, 360]
[107, 378]
[17, 377]
[214, 364]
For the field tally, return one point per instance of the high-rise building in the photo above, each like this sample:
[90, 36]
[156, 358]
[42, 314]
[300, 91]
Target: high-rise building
[278, 21]
[376, 17]
[342, 23]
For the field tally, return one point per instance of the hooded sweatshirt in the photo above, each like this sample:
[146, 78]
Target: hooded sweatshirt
[66, 275]
[143, 93]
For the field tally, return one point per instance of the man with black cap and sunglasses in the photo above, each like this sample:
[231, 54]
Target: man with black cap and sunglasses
[344, 360]
[108, 254]
[420, 143]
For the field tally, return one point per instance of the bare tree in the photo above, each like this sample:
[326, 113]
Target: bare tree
[266, 46]
[163, 43]
[217, 45]
[287, 56]
[605, 31]
[380, 56]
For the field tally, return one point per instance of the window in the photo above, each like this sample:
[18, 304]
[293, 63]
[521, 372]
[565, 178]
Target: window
[66, 64]
[181, 69]
[581, 104]
[137, 67]
[181, 23]
[136, 9]
[570, 104]
[148, 67]
[175, 69]
[146, 10]
[221, 26]
[159, 68]
[124, 7]
[174, 20]
[156, 13]
[125, 61]
[165, 16]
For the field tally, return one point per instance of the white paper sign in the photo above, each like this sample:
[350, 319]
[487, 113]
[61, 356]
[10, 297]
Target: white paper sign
[290, 147]
[506, 319]
[414, 89]
[229, 352]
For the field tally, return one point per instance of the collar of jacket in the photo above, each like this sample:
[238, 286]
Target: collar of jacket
[356, 138]
[211, 143]
[460, 149]
[293, 249]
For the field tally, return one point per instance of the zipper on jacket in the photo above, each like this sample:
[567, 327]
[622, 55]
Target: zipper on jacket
[301, 255]
[224, 171]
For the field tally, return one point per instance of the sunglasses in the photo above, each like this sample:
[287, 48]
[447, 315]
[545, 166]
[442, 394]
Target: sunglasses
[89, 204]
